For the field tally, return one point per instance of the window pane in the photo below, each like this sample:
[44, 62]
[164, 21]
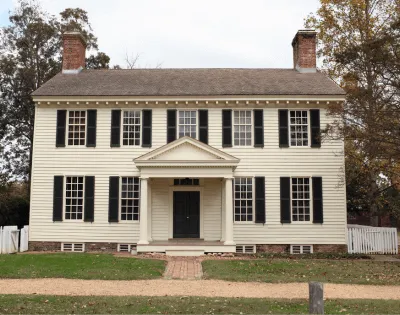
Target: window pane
[76, 127]
[300, 199]
[130, 192]
[187, 123]
[243, 199]
[131, 127]
[74, 197]
[298, 128]
[242, 128]
[186, 182]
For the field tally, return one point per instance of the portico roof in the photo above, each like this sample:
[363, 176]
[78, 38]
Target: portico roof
[186, 152]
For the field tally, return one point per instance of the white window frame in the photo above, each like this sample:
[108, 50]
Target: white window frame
[252, 201]
[65, 198]
[197, 121]
[122, 127]
[308, 128]
[120, 200]
[67, 128]
[310, 200]
[251, 127]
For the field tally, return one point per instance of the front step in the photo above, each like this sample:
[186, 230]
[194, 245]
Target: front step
[184, 252]
[185, 248]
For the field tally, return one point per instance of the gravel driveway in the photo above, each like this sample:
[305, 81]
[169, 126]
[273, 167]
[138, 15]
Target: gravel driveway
[211, 288]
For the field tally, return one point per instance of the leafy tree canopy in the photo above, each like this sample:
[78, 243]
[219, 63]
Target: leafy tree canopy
[30, 54]
[360, 49]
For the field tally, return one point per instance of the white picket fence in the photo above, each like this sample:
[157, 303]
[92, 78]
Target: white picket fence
[362, 239]
[9, 239]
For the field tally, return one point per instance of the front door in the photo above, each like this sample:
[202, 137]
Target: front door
[186, 214]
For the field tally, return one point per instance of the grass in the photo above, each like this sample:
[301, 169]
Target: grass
[331, 256]
[36, 304]
[79, 266]
[303, 270]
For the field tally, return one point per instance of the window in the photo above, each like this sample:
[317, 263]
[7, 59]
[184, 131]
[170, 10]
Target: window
[130, 198]
[187, 123]
[243, 199]
[242, 127]
[74, 198]
[299, 128]
[186, 182]
[131, 127]
[301, 199]
[76, 127]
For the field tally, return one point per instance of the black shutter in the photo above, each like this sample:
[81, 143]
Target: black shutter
[147, 128]
[318, 211]
[203, 125]
[259, 128]
[171, 125]
[285, 200]
[61, 126]
[91, 128]
[115, 127]
[260, 199]
[58, 193]
[113, 199]
[315, 128]
[89, 199]
[283, 128]
[226, 128]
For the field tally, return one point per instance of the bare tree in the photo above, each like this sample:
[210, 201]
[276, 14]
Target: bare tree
[131, 60]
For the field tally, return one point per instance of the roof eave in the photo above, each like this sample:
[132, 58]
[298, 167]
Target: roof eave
[111, 98]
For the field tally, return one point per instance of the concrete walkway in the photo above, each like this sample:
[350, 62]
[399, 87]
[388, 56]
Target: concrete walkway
[207, 288]
[184, 268]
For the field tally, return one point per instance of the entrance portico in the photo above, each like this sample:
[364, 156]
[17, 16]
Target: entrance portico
[176, 216]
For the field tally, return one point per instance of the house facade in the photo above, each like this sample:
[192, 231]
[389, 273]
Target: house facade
[187, 161]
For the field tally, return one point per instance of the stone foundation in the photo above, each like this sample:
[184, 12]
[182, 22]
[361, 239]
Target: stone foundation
[113, 247]
[44, 246]
[89, 246]
[101, 247]
[330, 248]
[273, 249]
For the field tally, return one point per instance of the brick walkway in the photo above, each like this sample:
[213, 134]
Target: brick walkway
[185, 268]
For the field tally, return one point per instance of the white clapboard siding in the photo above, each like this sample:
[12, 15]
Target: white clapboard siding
[212, 209]
[160, 209]
[103, 161]
[371, 240]
[160, 214]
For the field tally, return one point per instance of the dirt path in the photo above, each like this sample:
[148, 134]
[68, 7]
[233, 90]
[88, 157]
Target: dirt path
[213, 288]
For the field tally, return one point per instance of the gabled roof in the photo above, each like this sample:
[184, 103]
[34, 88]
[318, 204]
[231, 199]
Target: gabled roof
[189, 82]
[186, 151]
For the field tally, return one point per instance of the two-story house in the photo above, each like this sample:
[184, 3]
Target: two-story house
[187, 161]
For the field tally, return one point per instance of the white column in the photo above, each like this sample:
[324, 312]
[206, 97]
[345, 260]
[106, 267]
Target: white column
[143, 238]
[223, 210]
[228, 212]
[149, 209]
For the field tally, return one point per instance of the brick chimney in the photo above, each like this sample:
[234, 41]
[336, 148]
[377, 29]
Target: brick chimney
[304, 51]
[74, 50]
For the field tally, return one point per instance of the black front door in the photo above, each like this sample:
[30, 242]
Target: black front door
[186, 214]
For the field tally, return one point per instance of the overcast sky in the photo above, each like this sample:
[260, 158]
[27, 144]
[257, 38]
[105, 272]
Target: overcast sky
[191, 33]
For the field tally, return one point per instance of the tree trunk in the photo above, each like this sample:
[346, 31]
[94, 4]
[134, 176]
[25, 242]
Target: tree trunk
[373, 209]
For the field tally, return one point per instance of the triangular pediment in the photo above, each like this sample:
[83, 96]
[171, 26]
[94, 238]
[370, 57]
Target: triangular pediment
[186, 149]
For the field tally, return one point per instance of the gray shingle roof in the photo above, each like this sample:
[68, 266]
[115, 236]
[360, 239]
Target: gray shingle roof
[186, 82]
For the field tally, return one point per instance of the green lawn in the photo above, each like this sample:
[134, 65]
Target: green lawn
[79, 266]
[36, 304]
[304, 270]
